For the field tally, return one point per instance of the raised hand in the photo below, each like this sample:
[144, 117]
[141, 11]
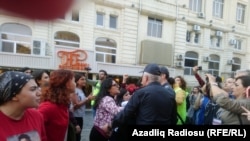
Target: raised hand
[247, 112]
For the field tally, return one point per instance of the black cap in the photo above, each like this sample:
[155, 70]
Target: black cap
[152, 69]
[164, 70]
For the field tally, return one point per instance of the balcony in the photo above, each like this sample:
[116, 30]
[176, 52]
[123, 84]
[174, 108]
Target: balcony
[22, 60]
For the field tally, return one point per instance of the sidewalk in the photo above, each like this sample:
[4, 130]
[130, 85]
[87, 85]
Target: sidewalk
[88, 123]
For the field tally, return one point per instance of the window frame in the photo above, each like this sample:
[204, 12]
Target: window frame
[212, 63]
[240, 13]
[152, 24]
[238, 45]
[15, 42]
[192, 59]
[97, 19]
[195, 5]
[116, 21]
[218, 7]
[112, 54]
[64, 42]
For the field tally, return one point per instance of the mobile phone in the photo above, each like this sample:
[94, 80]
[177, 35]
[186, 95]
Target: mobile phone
[200, 68]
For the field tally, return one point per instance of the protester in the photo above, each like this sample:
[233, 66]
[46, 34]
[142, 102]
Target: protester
[26, 70]
[194, 100]
[204, 98]
[123, 97]
[79, 101]
[146, 104]
[19, 95]
[106, 109]
[55, 104]
[231, 111]
[181, 97]
[42, 79]
[97, 85]
[131, 87]
[242, 72]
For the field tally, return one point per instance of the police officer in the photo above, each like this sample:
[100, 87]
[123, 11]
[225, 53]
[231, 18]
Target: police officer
[150, 105]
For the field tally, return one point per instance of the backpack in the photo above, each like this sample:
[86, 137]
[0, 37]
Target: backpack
[210, 112]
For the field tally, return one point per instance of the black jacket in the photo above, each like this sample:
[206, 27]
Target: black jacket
[150, 105]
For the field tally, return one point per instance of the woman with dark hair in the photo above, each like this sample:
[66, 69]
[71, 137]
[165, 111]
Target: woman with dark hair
[55, 104]
[79, 101]
[42, 79]
[106, 109]
[19, 95]
[230, 112]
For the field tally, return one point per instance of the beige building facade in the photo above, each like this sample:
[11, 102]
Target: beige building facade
[122, 36]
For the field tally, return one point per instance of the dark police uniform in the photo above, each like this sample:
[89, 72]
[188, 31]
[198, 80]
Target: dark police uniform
[151, 105]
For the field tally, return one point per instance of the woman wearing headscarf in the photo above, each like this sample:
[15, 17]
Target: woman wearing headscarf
[55, 104]
[19, 96]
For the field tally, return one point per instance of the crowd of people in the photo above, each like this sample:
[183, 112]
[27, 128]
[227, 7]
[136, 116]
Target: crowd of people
[51, 106]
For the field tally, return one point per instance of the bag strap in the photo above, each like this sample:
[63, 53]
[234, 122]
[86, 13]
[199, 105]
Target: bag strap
[239, 119]
[180, 118]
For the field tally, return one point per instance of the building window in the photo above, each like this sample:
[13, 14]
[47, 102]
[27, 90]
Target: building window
[195, 5]
[99, 19]
[67, 39]
[75, 15]
[191, 60]
[16, 38]
[218, 42]
[214, 65]
[105, 50]
[236, 64]
[196, 38]
[113, 21]
[240, 14]
[238, 44]
[188, 36]
[218, 8]
[211, 41]
[154, 27]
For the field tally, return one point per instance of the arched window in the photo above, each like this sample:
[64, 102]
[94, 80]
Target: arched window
[16, 38]
[105, 50]
[214, 64]
[191, 60]
[66, 39]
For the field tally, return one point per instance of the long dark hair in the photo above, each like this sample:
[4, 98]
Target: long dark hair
[104, 91]
[37, 75]
[119, 97]
[183, 82]
[77, 77]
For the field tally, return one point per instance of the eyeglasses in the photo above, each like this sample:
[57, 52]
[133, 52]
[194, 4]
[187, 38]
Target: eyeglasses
[115, 85]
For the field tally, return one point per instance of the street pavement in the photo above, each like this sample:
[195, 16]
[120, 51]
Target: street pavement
[88, 123]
